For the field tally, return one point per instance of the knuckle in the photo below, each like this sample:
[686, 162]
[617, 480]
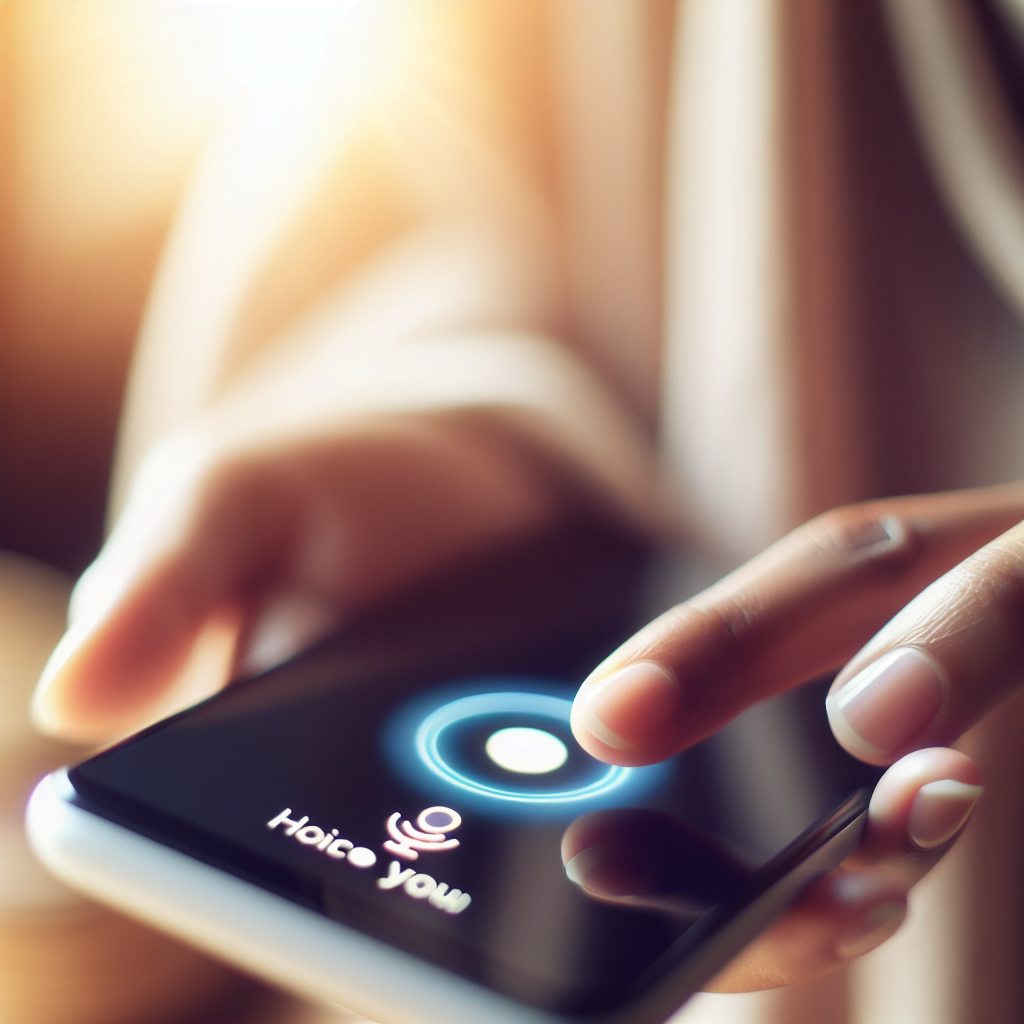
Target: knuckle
[994, 577]
[194, 481]
[1009, 551]
[723, 630]
[870, 538]
[172, 466]
[734, 627]
[191, 469]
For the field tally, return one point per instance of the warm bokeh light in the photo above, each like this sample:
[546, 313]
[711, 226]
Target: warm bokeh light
[277, 49]
[112, 111]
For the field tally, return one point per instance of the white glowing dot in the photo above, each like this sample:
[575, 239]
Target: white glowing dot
[361, 857]
[528, 751]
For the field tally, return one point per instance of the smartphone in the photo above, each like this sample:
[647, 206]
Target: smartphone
[399, 820]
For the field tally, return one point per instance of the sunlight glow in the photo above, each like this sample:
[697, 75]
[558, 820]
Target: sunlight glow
[277, 49]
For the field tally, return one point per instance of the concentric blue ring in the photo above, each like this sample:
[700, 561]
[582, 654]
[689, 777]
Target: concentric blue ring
[543, 706]
[418, 744]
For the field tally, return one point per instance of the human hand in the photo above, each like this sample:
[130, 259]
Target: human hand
[801, 609]
[257, 528]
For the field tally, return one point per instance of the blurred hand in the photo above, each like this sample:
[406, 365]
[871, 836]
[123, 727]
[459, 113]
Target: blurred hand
[254, 530]
[646, 858]
[922, 598]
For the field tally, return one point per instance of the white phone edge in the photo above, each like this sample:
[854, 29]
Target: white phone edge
[298, 949]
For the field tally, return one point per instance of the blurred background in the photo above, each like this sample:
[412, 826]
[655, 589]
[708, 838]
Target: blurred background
[109, 110]
[106, 109]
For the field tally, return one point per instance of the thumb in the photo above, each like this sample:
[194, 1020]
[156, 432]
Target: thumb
[172, 661]
[154, 622]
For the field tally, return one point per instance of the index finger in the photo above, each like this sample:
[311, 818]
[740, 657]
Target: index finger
[796, 611]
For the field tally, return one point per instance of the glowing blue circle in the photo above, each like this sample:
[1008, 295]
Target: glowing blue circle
[430, 730]
[425, 741]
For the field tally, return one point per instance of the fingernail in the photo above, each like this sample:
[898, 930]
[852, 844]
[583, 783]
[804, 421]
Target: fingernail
[628, 706]
[881, 709]
[41, 710]
[876, 926]
[939, 810]
[41, 713]
[887, 530]
[287, 625]
[604, 870]
[588, 860]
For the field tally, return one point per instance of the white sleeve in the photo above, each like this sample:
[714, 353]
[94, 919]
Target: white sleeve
[454, 305]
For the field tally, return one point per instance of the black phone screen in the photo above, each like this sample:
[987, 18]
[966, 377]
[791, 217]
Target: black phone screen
[415, 778]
